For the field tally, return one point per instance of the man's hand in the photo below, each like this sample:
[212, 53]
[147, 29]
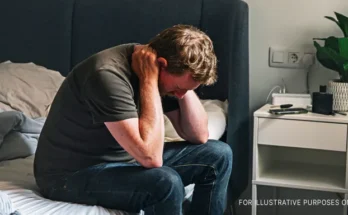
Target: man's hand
[144, 63]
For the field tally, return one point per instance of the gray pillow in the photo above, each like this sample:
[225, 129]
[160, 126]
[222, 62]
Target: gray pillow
[28, 88]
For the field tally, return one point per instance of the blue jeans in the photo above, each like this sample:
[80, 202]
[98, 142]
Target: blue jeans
[158, 191]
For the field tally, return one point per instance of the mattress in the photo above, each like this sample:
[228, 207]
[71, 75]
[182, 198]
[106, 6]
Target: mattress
[18, 182]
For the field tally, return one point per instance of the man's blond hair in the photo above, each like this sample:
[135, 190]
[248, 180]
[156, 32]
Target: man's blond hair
[186, 48]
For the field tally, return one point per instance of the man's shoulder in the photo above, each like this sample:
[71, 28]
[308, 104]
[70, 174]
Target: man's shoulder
[116, 59]
[122, 47]
[118, 53]
[110, 58]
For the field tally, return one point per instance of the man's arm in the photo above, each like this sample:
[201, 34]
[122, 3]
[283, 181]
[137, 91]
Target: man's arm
[143, 138]
[190, 120]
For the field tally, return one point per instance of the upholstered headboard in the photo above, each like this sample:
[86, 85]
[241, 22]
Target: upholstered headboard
[60, 33]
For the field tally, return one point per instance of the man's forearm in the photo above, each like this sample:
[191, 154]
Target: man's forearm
[193, 118]
[151, 126]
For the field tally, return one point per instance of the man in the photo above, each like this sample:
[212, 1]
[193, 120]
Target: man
[103, 140]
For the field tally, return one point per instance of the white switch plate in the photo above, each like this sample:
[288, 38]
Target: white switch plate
[297, 58]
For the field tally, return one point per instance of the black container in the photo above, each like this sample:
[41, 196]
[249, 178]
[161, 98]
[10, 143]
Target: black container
[322, 102]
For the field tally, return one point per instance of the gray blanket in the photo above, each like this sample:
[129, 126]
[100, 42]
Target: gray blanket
[18, 134]
[18, 139]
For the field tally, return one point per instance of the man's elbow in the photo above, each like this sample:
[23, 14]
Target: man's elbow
[152, 163]
[202, 137]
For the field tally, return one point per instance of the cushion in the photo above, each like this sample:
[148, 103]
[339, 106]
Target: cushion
[217, 114]
[28, 88]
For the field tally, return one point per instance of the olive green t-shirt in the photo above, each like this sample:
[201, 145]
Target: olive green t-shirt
[102, 88]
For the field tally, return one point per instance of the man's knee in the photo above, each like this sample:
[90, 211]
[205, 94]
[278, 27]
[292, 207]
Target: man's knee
[169, 185]
[220, 150]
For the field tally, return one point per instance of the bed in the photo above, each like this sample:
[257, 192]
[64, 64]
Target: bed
[58, 34]
[18, 183]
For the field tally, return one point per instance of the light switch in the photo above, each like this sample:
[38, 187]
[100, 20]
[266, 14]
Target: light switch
[278, 57]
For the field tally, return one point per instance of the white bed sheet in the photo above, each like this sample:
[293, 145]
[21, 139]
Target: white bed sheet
[18, 182]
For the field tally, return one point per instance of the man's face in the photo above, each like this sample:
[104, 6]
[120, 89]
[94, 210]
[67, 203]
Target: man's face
[173, 85]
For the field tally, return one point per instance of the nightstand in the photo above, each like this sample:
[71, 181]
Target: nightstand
[300, 151]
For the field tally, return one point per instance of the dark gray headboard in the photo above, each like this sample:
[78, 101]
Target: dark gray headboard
[60, 33]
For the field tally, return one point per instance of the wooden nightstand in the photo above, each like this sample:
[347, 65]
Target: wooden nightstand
[302, 151]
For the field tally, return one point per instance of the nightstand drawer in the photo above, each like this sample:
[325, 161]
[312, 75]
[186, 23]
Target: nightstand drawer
[302, 134]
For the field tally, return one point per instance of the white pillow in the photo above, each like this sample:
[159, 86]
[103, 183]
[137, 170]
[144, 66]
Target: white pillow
[217, 115]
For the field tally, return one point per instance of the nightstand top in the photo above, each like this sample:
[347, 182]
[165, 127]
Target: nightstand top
[263, 112]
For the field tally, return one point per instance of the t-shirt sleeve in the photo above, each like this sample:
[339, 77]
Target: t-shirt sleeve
[169, 104]
[109, 97]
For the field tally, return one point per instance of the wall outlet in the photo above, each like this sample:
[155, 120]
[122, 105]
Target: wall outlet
[297, 58]
[294, 57]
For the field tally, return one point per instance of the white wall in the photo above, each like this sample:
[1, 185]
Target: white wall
[288, 23]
